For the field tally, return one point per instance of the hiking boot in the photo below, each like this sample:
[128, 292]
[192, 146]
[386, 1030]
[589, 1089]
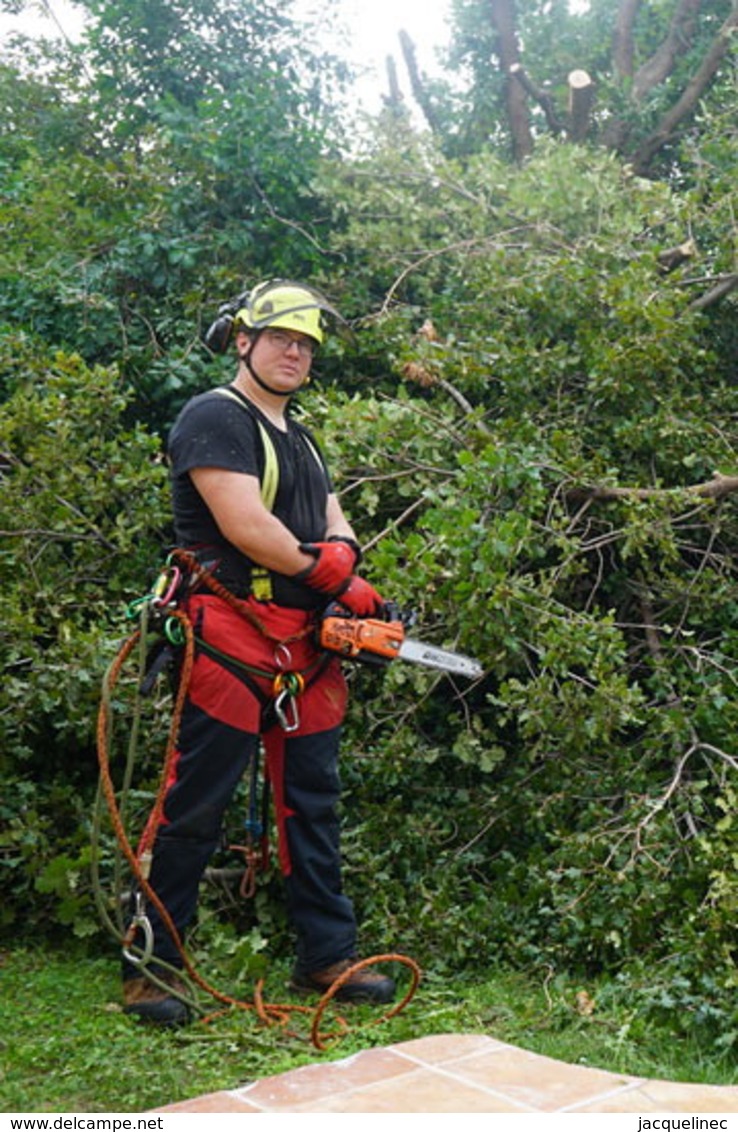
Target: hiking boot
[153, 1004]
[364, 985]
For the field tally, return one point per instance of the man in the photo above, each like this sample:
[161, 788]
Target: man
[253, 499]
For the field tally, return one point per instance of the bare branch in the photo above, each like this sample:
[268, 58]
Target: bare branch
[653, 640]
[503, 21]
[463, 245]
[285, 220]
[668, 794]
[435, 181]
[56, 536]
[658, 68]
[544, 100]
[716, 488]
[416, 82]
[729, 759]
[719, 291]
[581, 97]
[623, 49]
[398, 522]
[379, 477]
[690, 96]
[425, 377]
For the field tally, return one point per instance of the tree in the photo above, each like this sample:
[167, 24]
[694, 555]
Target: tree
[541, 484]
[627, 75]
[533, 434]
[157, 182]
[82, 524]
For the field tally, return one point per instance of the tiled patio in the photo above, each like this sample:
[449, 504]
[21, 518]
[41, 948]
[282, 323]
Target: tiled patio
[459, 1073]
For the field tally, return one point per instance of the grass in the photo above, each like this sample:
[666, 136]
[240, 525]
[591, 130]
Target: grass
[65, 1045]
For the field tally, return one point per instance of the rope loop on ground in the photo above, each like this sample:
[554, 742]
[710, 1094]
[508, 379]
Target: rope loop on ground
[321, 1041]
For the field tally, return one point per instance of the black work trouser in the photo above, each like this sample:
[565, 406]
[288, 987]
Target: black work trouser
[213, 756]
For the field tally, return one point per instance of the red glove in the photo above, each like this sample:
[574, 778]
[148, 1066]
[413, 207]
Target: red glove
[335, 562]
[361, 598]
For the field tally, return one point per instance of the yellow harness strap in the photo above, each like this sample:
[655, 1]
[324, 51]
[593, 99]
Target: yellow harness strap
[270, 480]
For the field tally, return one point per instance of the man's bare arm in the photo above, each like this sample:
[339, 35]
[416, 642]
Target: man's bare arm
[234, 500]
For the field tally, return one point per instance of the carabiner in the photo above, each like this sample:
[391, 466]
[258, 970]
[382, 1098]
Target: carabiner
[166, 586]
[140, 921]
[286, 698]
[287, 687]
[133, 609]
[173, 631]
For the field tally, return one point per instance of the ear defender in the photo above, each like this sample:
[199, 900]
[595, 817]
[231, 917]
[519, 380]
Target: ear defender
[218, 335]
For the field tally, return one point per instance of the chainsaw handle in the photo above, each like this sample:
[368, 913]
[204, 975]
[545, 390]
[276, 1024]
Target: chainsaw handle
[390, 612]
[335, 609]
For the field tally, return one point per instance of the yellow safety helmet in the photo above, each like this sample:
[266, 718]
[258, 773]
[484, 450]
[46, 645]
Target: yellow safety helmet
[277, 302]
[287, 306]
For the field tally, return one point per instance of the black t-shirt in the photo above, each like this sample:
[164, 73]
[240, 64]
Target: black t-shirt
[217, 431]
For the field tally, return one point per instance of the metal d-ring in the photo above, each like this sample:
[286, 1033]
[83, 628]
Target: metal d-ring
[282, 657]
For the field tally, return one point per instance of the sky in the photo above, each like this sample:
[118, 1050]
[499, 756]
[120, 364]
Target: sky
[373, 27]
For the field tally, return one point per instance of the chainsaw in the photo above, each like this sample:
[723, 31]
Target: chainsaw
[375, 641]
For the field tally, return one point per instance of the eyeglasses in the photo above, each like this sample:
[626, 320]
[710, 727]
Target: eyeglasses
[283, 341]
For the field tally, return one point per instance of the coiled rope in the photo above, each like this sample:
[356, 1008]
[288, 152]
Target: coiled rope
[139, 860]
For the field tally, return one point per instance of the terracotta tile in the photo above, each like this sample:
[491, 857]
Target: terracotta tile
[210, 1102]
[623, 1100]
[439, 1049]
[676, 1096]
[459, 1073]
[313, 1082]
[538, 1082]
[426, 1090]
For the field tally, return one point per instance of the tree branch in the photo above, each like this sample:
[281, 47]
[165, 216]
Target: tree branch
[395, 524]
[658, 68]
[502, 13]
[286, 220]
[393, 100]
[581, 97]
[623, 48]
[57, 536]
[544, 100]
[716, 488]
[690, 96]
[416, 82]
[719, 291]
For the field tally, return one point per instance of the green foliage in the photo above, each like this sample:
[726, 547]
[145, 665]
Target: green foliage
[574, 806]
[82, 514]
[524, 431]
[147, 183]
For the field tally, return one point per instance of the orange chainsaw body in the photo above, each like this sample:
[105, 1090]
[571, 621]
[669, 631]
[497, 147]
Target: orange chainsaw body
[362, 638]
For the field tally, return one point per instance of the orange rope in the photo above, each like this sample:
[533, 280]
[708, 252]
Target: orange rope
[317, 1038]
[268, 1013]
[201, 576]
